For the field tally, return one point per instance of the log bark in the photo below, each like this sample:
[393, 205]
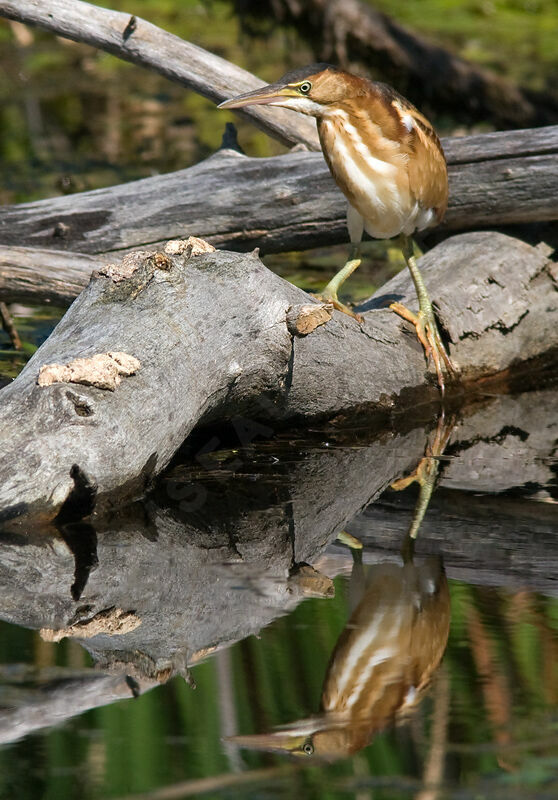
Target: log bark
[361, 39]
[284, 203]
[133, 39]
[213, 338]
[44, 276]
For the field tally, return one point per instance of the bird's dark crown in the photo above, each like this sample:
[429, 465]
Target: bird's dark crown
[297, 75]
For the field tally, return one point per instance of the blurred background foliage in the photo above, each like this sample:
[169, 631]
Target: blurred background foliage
[73, 118]
[502, 725]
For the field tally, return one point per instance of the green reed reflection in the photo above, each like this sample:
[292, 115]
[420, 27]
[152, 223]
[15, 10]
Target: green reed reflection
[502, 725]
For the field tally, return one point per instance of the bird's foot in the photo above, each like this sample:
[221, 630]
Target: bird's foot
[426, 471]
[329, 294]
[429, 336]
[326, 298]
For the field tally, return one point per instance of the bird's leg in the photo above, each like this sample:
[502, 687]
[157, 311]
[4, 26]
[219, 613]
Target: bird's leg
[426, 474]
[329, 294]
[425, 321]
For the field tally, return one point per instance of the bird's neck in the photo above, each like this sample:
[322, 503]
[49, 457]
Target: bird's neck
[360, 128]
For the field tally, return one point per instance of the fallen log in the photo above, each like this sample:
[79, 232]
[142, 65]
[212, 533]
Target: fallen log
[358, 37]
[44, 276]
[193, 340]
[133, 39]
[287, 202]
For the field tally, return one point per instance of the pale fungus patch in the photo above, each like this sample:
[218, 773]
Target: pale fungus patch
[104, 371]
[192, 246]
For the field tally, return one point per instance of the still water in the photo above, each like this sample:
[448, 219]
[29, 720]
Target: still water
[218, 639]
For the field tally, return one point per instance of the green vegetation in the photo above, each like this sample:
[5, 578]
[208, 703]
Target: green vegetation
[33, 325]
[516, 38]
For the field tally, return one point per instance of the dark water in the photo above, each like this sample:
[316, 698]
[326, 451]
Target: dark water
[229, 576]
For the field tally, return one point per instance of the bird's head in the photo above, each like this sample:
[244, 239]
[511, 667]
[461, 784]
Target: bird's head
[309, 90]
[323, 736]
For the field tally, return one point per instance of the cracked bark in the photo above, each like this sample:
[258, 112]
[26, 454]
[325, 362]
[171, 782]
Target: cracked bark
[211, 334]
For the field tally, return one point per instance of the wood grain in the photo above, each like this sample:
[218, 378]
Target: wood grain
[44, 276]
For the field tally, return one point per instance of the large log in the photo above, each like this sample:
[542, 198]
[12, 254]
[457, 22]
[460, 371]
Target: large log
[215, 335]
[133, 39]
[288, 202]
[40, 275]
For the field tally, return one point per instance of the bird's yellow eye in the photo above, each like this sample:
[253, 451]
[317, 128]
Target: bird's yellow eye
[305, 87]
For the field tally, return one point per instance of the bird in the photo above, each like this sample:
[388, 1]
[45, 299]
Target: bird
[382, 664]
[387, 159]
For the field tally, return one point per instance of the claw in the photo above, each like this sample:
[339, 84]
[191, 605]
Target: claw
[329, 294]
[429, 337]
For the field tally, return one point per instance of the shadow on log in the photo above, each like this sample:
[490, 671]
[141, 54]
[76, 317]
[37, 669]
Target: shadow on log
[172, 342]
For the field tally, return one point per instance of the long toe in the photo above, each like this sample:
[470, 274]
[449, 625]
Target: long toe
[429, 336]
[436, 349]
[328, 297]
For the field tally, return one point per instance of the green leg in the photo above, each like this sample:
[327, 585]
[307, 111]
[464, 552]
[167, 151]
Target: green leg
[329, 294]
[425, 474]
[424, 321]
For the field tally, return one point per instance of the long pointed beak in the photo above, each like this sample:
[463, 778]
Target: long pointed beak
[272, 94]
[287, 738]
[270, 742]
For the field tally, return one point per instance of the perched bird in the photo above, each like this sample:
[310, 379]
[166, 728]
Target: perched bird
[383, 661]
[387, 160]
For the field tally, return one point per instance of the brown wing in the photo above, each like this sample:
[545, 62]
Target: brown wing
[428, 174]
[426, 166]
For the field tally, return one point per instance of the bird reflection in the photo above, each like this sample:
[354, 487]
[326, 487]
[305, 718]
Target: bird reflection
[382, 663]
